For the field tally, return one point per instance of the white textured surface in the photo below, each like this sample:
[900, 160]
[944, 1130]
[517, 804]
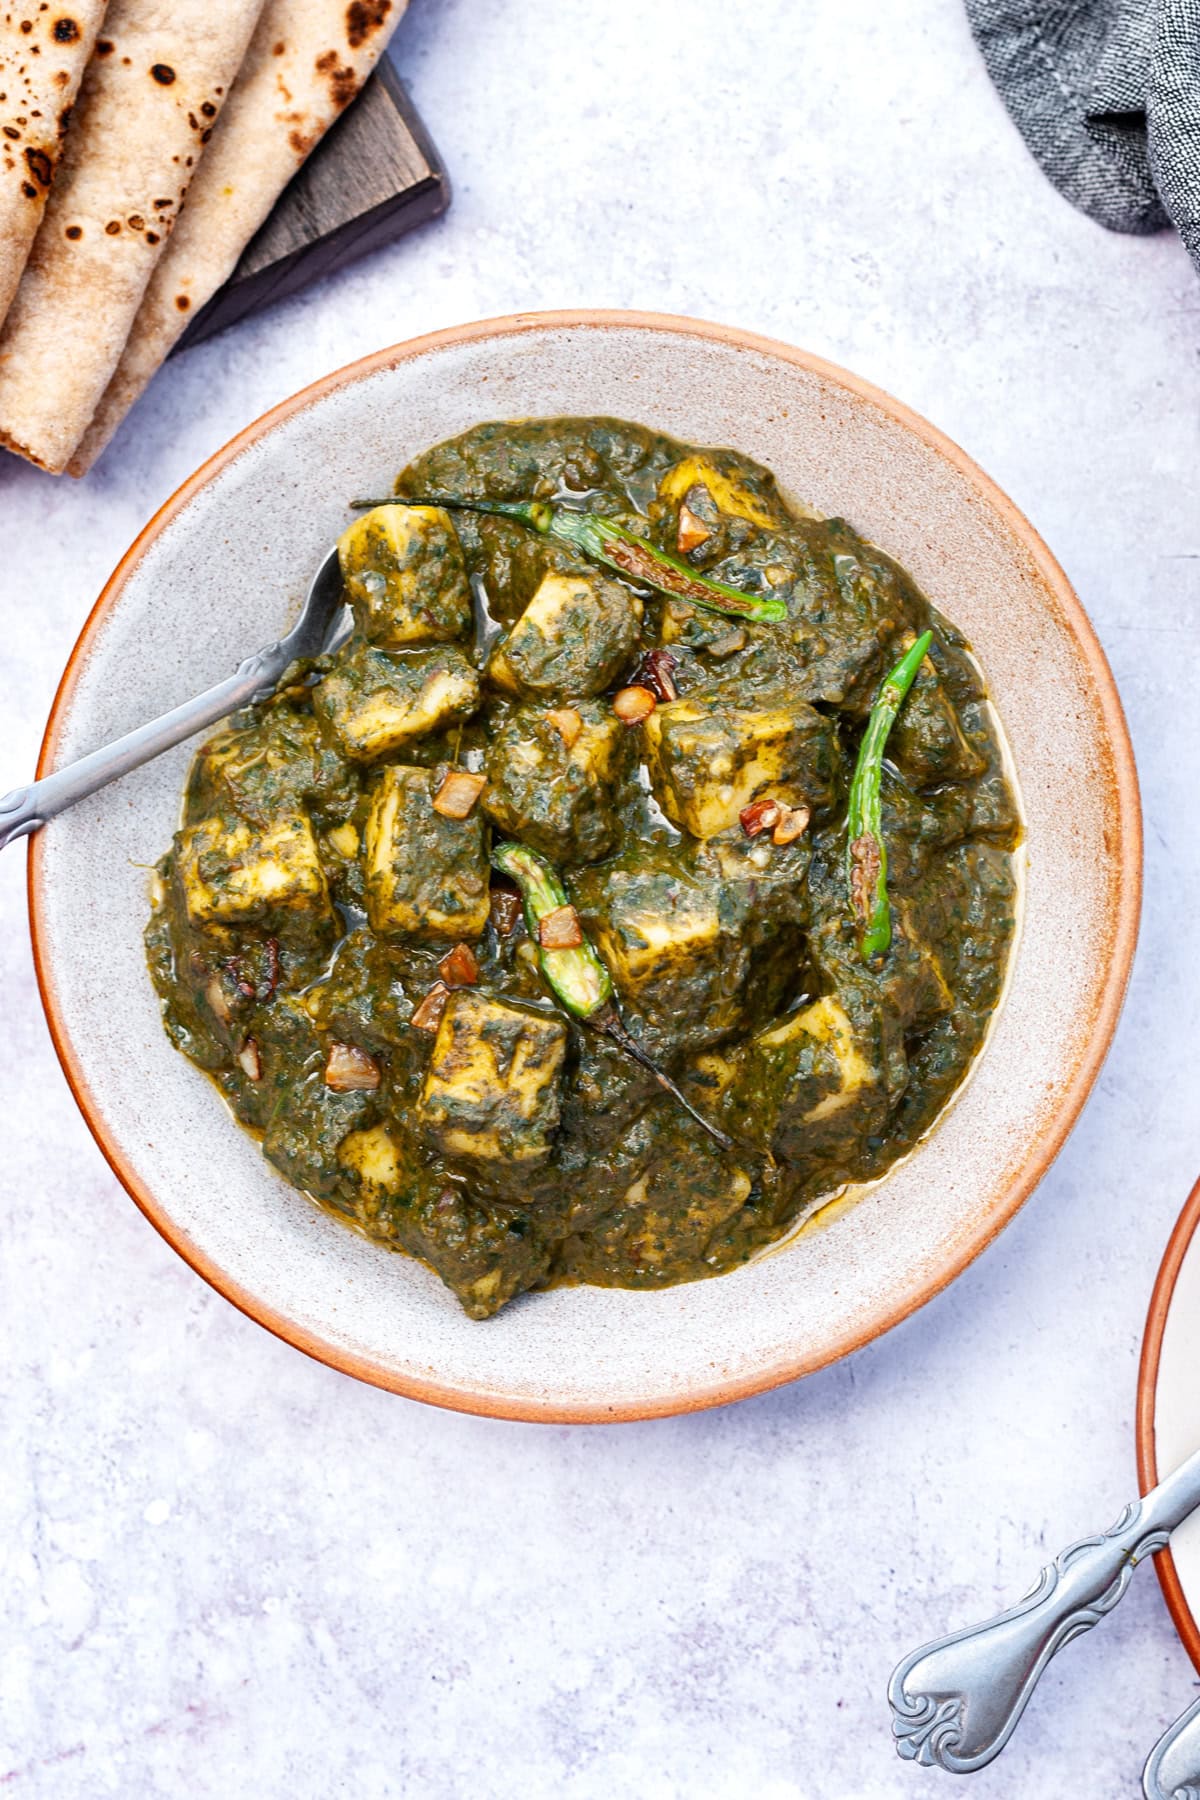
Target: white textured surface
[227, 1570]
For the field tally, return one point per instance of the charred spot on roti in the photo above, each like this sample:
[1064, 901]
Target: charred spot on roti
[39, 165]
[73, 232]
[152, 237]
[104, 47]
[363, 17]
[113, 227]
[66, 31]
[343, 82]
[136, 222]
[29, 191]
[163, 73]
[343, 85]
[208, 109]
[10, 131]
[182, 302]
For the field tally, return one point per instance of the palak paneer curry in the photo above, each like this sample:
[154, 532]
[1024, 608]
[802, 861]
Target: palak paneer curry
[637, 874]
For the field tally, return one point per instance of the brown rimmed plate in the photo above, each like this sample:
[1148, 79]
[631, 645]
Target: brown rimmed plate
[216, 573]
[1168, 1409]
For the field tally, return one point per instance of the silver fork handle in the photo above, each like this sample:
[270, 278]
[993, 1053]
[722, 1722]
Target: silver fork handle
[1173, 1769]
[956, 1702]
[28, 808]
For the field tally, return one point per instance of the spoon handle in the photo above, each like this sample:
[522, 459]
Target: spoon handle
[28, 808]
[1172, 1771]
[956, 1702]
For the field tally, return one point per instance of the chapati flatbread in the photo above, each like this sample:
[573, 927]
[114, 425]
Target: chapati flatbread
[306, 62]
[43, 53]
[149, 100]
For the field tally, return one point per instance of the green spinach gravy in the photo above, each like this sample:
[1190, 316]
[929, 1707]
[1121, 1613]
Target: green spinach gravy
[331, 944]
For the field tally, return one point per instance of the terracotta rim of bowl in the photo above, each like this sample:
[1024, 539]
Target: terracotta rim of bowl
[1185, 1230]
[1126, 809]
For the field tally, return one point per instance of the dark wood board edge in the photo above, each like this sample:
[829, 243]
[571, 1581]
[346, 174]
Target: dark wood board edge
[323, 242]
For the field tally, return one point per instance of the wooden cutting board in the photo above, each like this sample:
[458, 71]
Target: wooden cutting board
[375, 175]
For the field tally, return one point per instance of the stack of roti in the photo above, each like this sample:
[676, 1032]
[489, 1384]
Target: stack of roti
[101, 261]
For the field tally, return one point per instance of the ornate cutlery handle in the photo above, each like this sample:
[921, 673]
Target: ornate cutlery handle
[27, 809]
[1173, 1769]
[956, 1702]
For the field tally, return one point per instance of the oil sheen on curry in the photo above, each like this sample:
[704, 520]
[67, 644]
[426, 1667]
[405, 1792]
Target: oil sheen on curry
[638, 873]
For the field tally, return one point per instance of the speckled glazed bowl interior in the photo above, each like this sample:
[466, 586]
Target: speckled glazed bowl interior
[221, 569]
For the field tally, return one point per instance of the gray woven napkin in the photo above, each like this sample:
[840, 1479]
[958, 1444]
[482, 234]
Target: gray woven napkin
[1106, 94]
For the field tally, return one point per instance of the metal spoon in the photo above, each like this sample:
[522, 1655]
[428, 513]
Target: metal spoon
[27, 809]
[1173, 1770]
[956, 1702]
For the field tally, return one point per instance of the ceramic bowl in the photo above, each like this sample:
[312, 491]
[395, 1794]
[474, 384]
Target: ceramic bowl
[219, 570]
[1168, 1414]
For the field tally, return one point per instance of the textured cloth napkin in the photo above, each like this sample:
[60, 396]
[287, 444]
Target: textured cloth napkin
[1106, 93]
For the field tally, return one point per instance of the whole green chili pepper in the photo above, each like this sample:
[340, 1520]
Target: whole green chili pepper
[866, 852]
[576, 976]
[605, 541]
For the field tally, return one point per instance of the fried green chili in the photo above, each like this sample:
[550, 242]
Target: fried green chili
[605, 541]
[866, 852]
[576, 976]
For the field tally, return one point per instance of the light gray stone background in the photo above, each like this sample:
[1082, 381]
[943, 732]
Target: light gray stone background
[230, 1572]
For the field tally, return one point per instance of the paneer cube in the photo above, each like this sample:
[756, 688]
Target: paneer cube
[484, 1253]
[381, 1172]
[491, 1093]
[671, 1211]
[666, 945]
[405, 576]
[814, 1080]
[375, 1158]
[284, 764]
[927, 742]
[709, 759]
[553, 779]
[234, 874]
[375, 704]
[764, 886]
[829, 1064]
[658, 928]
[426, 875]
[574, 638]
[725, 486]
